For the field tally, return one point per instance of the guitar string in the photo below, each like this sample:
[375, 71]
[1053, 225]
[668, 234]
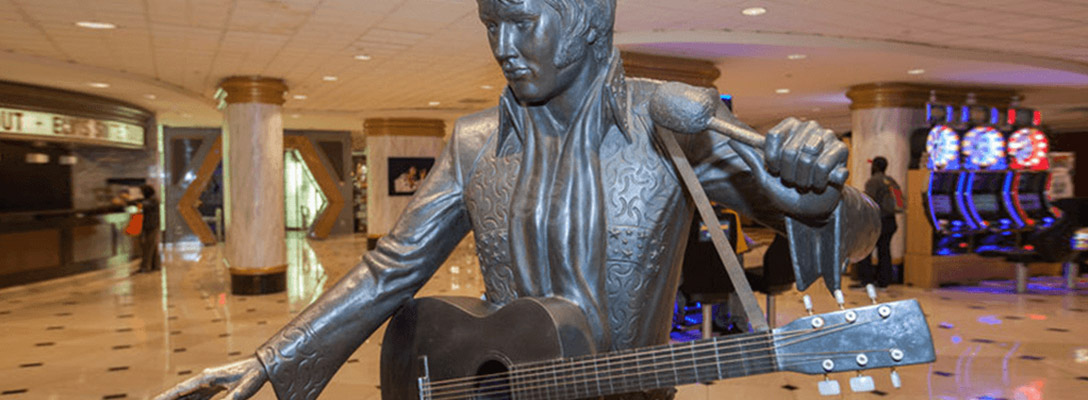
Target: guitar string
[572, 372]
[550, 364]
[557, 366]
[689, 372]
[554, 370]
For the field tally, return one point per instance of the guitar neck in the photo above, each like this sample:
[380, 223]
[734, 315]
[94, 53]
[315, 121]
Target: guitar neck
[648, 368]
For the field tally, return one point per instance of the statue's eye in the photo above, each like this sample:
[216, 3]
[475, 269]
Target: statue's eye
[491, 27]
[525, 24]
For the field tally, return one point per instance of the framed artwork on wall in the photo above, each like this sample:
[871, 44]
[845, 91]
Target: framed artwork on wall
[406, 174]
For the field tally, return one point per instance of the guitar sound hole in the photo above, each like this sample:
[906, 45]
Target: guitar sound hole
[490, 387]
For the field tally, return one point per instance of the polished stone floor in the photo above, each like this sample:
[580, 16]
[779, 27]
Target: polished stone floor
[111, 335]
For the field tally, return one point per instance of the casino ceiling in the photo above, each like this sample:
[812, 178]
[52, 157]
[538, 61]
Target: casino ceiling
[346, 60]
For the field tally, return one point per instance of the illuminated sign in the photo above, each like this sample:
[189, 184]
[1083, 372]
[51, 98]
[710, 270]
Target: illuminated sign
[48, 126]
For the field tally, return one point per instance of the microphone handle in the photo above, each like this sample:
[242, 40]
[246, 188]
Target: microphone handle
[755, 139]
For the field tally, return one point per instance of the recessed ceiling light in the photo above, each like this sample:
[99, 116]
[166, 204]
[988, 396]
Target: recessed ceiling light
[329, 78]
[150, 96]
[187, 115]
[487, 87]
[99, 85]
[434, 103]
[95, 25]
[295, 116]
[782, 91]
[797, 56]
[299, 97]
[816, 109]
[916, 71]
[362, 57]
[754, 11]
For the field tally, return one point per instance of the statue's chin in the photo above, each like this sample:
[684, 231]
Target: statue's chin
[529, 94]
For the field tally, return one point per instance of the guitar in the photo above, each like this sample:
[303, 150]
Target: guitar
[462, 348]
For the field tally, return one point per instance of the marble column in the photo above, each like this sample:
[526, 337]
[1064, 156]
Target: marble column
[256, 251]
[884, 115]
[394, 138]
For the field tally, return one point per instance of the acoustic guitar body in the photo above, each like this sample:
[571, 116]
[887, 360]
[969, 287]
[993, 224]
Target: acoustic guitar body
[466, 337]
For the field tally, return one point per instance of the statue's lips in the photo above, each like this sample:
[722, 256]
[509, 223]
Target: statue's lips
[516, 73]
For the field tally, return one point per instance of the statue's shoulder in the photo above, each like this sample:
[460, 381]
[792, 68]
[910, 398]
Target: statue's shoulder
[472, 131]
[642, 90]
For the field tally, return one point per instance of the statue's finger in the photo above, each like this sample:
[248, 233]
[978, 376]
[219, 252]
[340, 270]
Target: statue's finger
[248, 386]
[184, 389]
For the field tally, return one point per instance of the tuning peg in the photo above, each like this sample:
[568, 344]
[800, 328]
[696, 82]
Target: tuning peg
[871, 291]
[808, 303]
[896, 382]
[839, 298]
[829, 387]
[862, 383]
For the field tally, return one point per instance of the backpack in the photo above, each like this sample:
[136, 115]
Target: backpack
[892, 201]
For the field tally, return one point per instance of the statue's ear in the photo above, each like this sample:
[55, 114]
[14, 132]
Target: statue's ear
[591, 36]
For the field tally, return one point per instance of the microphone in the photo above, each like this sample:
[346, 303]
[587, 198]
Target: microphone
[690, 110]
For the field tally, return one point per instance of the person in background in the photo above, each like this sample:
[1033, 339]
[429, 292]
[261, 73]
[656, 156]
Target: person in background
[886, 193]
[149, 236]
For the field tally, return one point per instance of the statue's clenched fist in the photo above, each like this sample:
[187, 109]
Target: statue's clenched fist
[242, 379]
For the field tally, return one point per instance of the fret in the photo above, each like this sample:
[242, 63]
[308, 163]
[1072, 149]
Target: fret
[555, 378]
[608, 370]
[694, 361]
[597, 377]
[717, 358]
[653, 361]
[672, 365]
[577, 378]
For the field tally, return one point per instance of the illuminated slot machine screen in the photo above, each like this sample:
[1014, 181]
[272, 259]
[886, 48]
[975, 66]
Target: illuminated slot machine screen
[941, 204]
[984, 149]
[987, 204]
[1028, 149]
[1030, 202]
[943, 147]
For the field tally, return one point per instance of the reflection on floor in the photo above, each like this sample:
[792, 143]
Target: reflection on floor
[108, 335]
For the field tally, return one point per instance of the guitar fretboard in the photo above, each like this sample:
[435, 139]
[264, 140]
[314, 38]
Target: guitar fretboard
[627, 371]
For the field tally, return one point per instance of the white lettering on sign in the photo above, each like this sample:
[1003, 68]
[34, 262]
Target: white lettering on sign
[33, 123]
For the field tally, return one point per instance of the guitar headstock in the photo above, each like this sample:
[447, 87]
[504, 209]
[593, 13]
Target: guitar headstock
[885, 335]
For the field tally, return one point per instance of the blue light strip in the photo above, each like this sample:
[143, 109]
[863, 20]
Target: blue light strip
[1007, 195]
[959, 201]
[970, 197]
[929, 199]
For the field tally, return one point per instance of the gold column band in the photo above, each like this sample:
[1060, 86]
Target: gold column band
[252, 89]
[688, 70]
[259, 271]
[911, 95]
[404, 127]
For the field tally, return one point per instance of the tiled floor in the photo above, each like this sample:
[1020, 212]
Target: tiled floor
[108, 335]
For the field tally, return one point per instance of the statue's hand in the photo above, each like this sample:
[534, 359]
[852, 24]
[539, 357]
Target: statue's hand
[795, 166]
[242, 379]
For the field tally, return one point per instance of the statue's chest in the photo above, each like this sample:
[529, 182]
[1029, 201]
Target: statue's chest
[640, 190]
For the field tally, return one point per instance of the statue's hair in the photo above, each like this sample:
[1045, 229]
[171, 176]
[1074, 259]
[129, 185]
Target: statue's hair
[579, 17]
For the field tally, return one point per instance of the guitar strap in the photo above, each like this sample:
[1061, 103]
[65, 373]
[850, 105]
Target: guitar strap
[710, 219]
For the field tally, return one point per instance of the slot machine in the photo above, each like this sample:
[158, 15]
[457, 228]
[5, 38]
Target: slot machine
[943, 199]
[1028, 148]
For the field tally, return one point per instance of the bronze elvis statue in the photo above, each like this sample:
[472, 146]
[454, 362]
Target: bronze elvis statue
[569, 196]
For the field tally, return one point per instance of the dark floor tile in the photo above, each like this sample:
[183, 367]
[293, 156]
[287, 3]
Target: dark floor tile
[13, 391]
[114, 396]
[1082, 378]
[977, 307]
[54, 328]
[185, 372]
[281, 301]
[241, 299]
[262, 322]
[1037, 300]
[1057, 329]
[5, 312]
[179, 350]
[44, 344]
[945, 325]
[175, 332]
[982, 340]
[217, 320]
[171, 306]
[1013, 318]
[209, 308]
[69, 303]
[122, 347]
[30, 365]
[63, 314]
[1031, 357]
[234, 353]
[172, 318]
[946, 298]
[251, 310]
[942, 373]
[123, 330]
[126, 315]
[790, 387]
[224, 334]
[879, 393]
[115, 369]
[353, 360]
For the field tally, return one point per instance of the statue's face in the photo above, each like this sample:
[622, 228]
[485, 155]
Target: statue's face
[525, 39]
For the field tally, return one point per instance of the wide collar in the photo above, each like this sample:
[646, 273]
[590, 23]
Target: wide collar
[612, 91]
